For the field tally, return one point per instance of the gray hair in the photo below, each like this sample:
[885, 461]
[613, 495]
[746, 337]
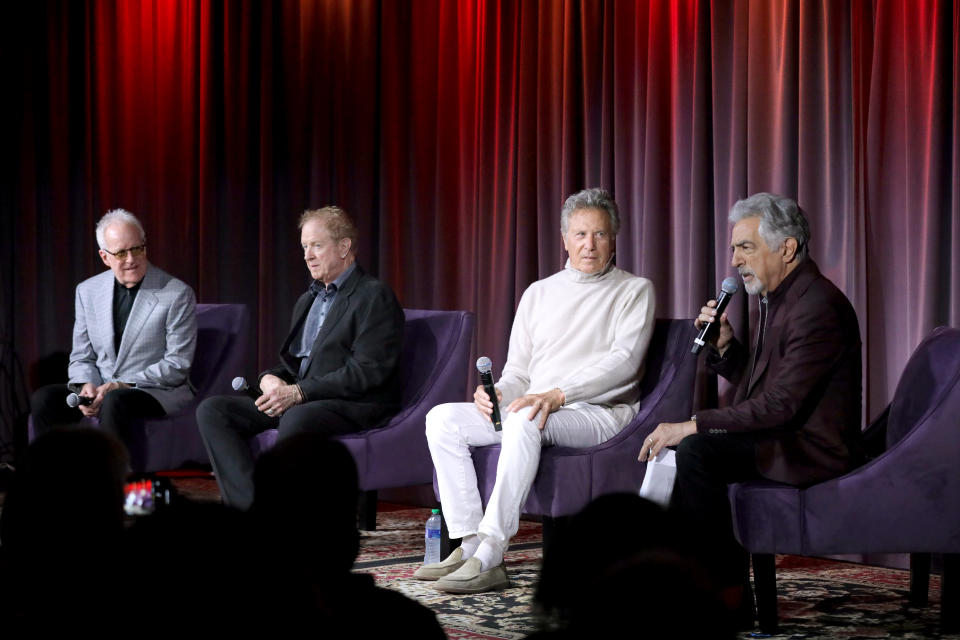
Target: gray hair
[780, 218]
[594, 198]
[113, 216]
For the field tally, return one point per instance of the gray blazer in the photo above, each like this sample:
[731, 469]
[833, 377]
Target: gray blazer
[158, 342]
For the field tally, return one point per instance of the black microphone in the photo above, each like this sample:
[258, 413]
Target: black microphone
[74, 401]
[484, 366]
[240, 384]
[727, 289]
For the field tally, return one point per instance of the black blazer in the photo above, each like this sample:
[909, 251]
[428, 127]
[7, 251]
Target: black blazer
[353, 363]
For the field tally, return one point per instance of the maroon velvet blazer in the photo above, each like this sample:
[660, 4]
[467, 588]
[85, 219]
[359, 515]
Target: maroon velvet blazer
[802, 401]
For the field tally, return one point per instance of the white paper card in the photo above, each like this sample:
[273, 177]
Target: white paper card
[658, 481]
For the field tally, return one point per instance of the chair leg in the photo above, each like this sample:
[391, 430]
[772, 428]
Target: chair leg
[950, 594]
[919, 579]
[367, 511]
[765, 584]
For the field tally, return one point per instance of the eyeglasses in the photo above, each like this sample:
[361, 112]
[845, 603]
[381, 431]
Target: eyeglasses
[136, 252]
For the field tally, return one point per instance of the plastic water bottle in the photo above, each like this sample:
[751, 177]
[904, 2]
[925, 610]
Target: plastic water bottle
[432, 538]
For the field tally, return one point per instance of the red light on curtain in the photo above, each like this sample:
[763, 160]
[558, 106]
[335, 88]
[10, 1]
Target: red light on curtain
[146, 61]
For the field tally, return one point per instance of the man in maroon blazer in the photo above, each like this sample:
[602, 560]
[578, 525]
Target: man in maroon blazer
[796, 415]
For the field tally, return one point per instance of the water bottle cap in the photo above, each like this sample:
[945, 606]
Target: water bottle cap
[435, 511]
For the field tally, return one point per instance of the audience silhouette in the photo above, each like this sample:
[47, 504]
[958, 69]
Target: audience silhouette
[61, 532]
[195, 566]
[621, 568]
[305, 512]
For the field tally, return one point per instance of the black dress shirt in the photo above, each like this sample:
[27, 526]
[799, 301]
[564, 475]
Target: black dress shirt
[123, 298]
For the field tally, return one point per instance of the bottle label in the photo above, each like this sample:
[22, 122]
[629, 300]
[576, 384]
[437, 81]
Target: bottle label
[433, 533]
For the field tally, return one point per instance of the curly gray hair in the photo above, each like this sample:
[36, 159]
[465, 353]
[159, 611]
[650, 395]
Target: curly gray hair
[780, 218]
[594, 198]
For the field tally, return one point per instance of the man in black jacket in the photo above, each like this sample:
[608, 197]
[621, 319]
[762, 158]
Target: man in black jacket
[338, 365]
[795, 418]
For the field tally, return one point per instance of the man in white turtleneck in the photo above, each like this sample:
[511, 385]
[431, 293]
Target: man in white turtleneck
[572, 379]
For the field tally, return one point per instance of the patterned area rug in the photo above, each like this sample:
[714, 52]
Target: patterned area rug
[393, 552]
[830, 599]
[819, 599]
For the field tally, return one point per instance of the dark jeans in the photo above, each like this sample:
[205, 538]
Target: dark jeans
[227, 423]
[120, 408]
[706, 464]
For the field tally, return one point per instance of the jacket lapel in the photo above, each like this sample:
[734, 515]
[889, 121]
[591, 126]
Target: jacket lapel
[337, 310]
[761, 365]
[143, 306]
[103, 303]
[796, 284]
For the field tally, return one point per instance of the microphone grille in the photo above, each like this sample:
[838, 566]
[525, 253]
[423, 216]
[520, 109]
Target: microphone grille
[484, 365]
[730, 286]
[73, 400]
[239, 383]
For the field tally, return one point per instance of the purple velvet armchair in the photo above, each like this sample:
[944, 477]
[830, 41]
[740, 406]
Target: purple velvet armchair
[434, 368]
[905, 500]
[174, 440]
[569, 479]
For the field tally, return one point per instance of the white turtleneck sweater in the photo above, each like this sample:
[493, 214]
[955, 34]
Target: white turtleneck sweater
[586, 334]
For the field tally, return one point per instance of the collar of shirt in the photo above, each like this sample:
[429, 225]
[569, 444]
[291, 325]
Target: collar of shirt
[317, 287]
[579, 276]
[131, 291]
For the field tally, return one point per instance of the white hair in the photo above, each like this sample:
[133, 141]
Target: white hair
[117, 215]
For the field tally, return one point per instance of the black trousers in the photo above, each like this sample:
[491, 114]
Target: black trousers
[706, 464]
[227, 423]
[120, 408]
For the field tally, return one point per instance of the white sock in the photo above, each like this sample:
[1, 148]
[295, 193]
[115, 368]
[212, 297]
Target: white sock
[490, 555]
[469, 545]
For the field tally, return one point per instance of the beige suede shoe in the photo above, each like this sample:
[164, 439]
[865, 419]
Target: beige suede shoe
[437, 570]
[469, 579]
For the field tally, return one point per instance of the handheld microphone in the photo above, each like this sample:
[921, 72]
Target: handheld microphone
[240, 384]
[727, 289]
[484, 366]
[74, 401]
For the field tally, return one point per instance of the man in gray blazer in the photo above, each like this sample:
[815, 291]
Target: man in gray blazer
[338, 365]
[134, 335]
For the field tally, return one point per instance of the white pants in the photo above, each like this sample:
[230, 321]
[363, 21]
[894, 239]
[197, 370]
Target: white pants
[455, 427]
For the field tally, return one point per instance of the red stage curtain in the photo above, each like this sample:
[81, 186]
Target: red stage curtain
[454, 130]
